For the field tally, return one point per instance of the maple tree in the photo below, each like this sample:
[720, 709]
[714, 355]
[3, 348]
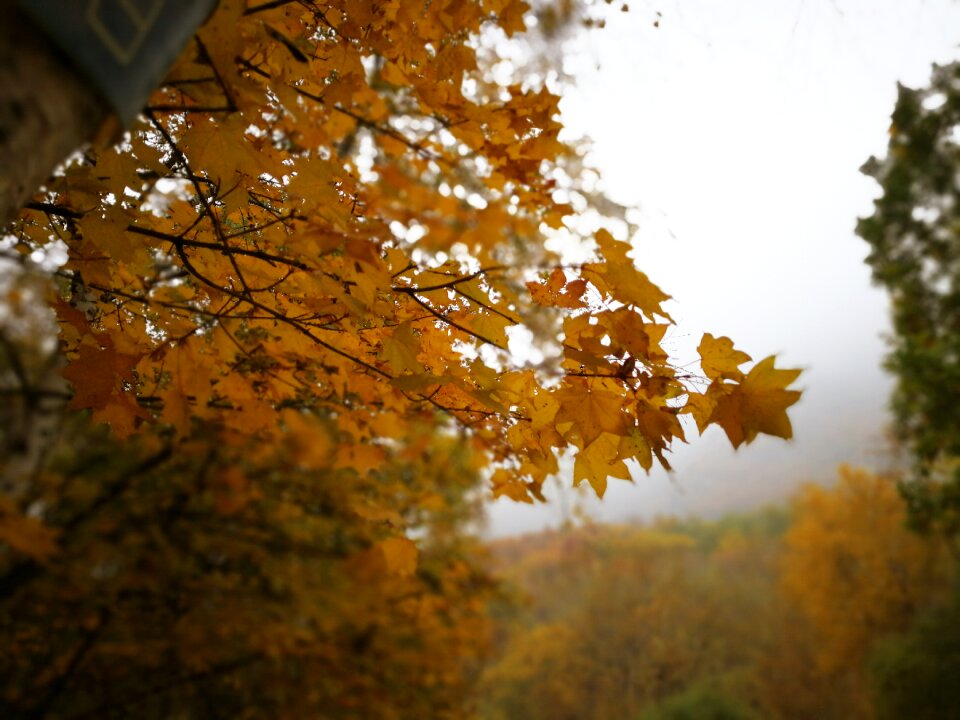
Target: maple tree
[334, 211]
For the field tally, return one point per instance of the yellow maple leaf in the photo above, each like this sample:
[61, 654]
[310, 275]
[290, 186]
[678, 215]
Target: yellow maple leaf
[491, 326]
[221, 149]
[719, 359]
[702, 405]
[619, 278]
[557, 292]
[108, 233]
[506, 484]
[98, 374]
[122, 414]
[89, 374]
[400, 350]
[598, 461]
[634, 446]
[658, 424]
[758, 404]
[589, 411]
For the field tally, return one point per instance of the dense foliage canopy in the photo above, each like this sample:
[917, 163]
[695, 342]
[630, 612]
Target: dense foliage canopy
[331, 222]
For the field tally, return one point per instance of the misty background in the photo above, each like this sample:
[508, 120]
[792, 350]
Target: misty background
[737, 130]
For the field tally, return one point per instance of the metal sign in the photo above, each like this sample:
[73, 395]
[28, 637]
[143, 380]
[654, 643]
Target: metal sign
[123, 47]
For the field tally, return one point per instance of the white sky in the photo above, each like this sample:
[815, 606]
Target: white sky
[738, 128]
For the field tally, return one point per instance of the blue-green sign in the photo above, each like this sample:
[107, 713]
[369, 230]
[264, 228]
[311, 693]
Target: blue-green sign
[123, 47]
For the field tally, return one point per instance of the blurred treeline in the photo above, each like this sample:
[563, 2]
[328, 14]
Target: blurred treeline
[828, 608]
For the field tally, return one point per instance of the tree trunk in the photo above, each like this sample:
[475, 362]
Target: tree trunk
[46, 110]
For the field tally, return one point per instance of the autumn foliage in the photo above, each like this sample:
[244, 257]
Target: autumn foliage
[313, 299]
[177, 581]
[777, 614]
[330, 223]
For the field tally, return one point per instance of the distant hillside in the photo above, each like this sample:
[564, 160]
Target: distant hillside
[770, 614]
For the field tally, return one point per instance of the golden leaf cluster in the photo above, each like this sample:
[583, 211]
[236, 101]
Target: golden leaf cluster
[336, 211]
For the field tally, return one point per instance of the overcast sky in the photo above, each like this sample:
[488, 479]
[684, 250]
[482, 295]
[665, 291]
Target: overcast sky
[738, 128]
